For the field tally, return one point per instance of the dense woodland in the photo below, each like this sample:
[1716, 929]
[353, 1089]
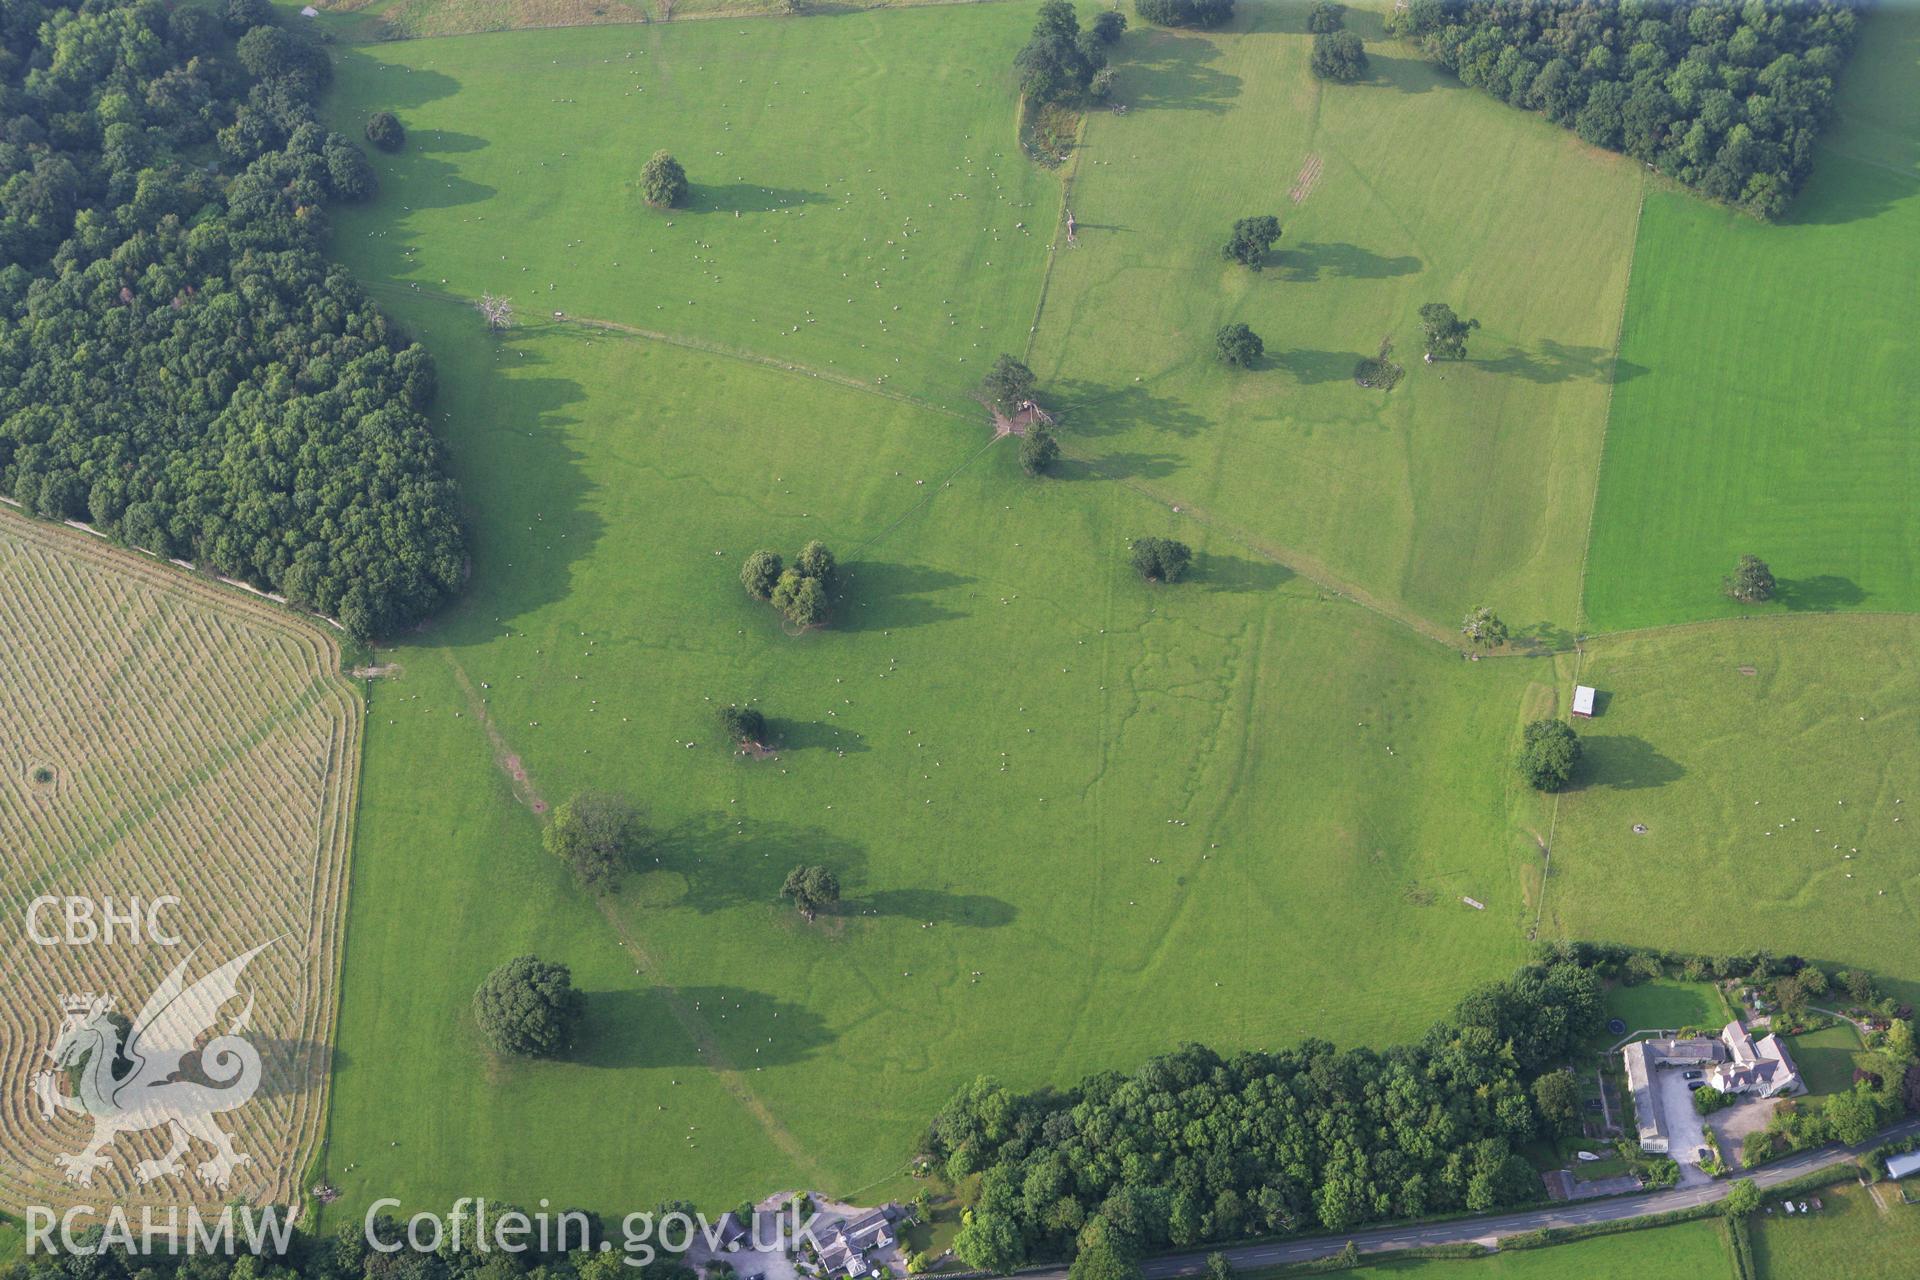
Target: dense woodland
[1195, 1146]
[180, 365]
[1726, 98]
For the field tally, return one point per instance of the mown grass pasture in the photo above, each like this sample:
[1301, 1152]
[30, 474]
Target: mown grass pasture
[1773, 416]
[1067, 838]
[1864, 1233]
[1770, 763]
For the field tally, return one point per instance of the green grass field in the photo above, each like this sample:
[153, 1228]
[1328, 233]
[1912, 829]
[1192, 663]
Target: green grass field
[1773, 412]
[1689, 1249]
[1856, 1234]
[1466, 484]
[1078, 819]
[837, 220]
[1664, 1004]
[1755, 789]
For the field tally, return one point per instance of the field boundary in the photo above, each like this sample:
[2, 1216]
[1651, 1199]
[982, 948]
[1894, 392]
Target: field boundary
[644, 17]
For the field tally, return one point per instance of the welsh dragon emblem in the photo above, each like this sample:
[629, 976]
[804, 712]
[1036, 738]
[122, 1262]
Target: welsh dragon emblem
[149, 1073]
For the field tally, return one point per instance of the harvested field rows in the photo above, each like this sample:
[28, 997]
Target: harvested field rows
[162, 736]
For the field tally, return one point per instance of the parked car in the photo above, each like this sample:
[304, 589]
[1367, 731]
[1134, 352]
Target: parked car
[1703, 1153]
[1692, 1085]
[1693, 1075]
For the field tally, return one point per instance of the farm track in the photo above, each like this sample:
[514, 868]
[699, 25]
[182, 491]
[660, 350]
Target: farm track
[234, 712]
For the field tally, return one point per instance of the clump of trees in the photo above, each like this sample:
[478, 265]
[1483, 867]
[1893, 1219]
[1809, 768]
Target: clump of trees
[1483, 629]
[1038, 451]
[598, 835]
[1185, 13]
[1446, 332]
[1059, 60]
[811, 889]
[1549, 751]
[1239, 346]
[1251, 240]
[385, 132]
[743, 725]
[1339, 56]
[1160, 559]
[1728, 99]
[528, 1007]
[1196, 1146]
[1108, 26]
[1008, 384]
[180, 365]
[1751, 581]
[663, 182]
[801, 592]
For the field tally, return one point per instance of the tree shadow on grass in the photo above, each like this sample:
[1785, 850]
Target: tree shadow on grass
[1309, 367]
[1307, 262]
[1167, 72]
[1625, 763]
[1120, 466]
[1235, 573]
[628, 1028]
[1554, 361]
[977, 910]
[1541, 637]
[807, 735]
[876, 595]
[1093, 408]
[1822, 594]
[727, 862]
[1408, 75]
[748, 197]
[397, 87]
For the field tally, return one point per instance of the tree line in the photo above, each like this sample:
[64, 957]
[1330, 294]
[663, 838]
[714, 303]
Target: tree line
[1198, 1146]
[180, 364]
[1728, 99]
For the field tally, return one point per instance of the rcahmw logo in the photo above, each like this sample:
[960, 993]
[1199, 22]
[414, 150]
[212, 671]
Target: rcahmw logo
[151, 1072]
[167, 1230]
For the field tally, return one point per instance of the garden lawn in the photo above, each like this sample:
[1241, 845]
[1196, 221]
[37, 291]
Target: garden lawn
[1774, 415]
[1664, 1004]
[858, 201]
[1852, 1236]
[1469, 483]
[1826, 1057]
[1077, 819]
[1775, 802]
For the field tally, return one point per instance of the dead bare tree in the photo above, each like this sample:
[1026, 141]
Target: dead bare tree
[497, 312]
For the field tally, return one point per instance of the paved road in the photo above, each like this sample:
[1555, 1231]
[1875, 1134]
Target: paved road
[1486, 1229]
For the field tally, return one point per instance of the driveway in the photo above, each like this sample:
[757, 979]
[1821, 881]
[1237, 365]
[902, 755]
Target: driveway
[1731, 1126]
[1686, 1128]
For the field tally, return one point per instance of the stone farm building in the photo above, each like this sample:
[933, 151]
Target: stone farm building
[1733, 1063]
[845, 1245]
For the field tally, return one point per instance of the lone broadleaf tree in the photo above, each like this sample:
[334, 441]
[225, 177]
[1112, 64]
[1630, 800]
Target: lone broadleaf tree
[1446, 332]
[743, 725]
[1160, 559]
[1039, 451]
[596, 834]
[1752, 581]
[1008, 384]
[1483, 628]
[1339, 56]
[801, 600]
[1239, 346]
[663, 183]
[384, 131]
[1548, 753]
[529, 1007]
[811, 888]
[1251, 239]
